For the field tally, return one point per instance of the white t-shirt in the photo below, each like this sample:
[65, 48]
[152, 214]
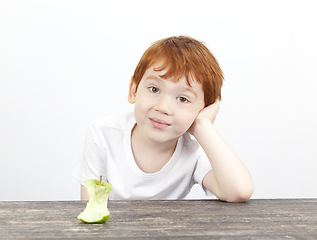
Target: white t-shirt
[108, 153]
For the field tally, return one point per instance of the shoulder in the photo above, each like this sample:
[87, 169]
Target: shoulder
[116, 121]
[190, 144]
[110, 129]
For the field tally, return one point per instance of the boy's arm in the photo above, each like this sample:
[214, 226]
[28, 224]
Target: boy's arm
[83, 193]
[229, 178]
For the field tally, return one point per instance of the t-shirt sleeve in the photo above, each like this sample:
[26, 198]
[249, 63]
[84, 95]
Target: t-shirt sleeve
[92, 164]
[202, 168]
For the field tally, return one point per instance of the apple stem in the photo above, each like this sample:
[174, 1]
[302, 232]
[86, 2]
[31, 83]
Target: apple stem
[100, 180]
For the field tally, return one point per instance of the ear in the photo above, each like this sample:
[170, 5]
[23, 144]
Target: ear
[132, 91]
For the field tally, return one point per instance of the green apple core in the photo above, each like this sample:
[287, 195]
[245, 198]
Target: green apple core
[96, 210]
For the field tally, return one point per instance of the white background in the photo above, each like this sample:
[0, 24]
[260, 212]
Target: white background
[66, 63]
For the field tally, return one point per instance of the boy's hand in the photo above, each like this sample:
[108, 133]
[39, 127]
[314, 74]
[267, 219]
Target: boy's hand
[208, 113]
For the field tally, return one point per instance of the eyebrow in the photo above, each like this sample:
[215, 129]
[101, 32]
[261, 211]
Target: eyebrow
[190, 89]
[154, 77]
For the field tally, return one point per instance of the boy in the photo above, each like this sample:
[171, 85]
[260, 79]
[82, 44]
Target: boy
[169, 143]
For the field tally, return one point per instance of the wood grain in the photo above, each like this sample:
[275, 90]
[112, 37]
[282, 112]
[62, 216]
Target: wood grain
[190, 219]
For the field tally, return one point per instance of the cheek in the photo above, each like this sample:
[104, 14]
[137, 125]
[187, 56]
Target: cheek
[138, 110]
[188, 117]
[187, 120]
[141, 106]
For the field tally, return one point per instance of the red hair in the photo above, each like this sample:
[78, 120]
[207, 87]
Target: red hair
[184, 56]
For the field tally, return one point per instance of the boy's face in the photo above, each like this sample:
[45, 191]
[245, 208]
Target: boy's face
[164, 110]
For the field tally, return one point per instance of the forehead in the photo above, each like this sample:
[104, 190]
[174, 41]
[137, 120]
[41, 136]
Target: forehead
[152, 73]
[166, 72]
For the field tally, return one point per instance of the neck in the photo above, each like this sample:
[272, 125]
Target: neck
[150, 156]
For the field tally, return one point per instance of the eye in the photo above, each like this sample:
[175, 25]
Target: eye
[154, 89]
[183, 99]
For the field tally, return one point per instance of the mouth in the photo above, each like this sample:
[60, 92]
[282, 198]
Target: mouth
[160, 124]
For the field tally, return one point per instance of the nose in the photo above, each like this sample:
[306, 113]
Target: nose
[164, 106]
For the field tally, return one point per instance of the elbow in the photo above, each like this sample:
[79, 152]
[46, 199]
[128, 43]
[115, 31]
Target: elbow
[242, 194]
[243, 191]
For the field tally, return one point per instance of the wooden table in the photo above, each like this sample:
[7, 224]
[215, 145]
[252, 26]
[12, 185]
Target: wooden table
[187, 219]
